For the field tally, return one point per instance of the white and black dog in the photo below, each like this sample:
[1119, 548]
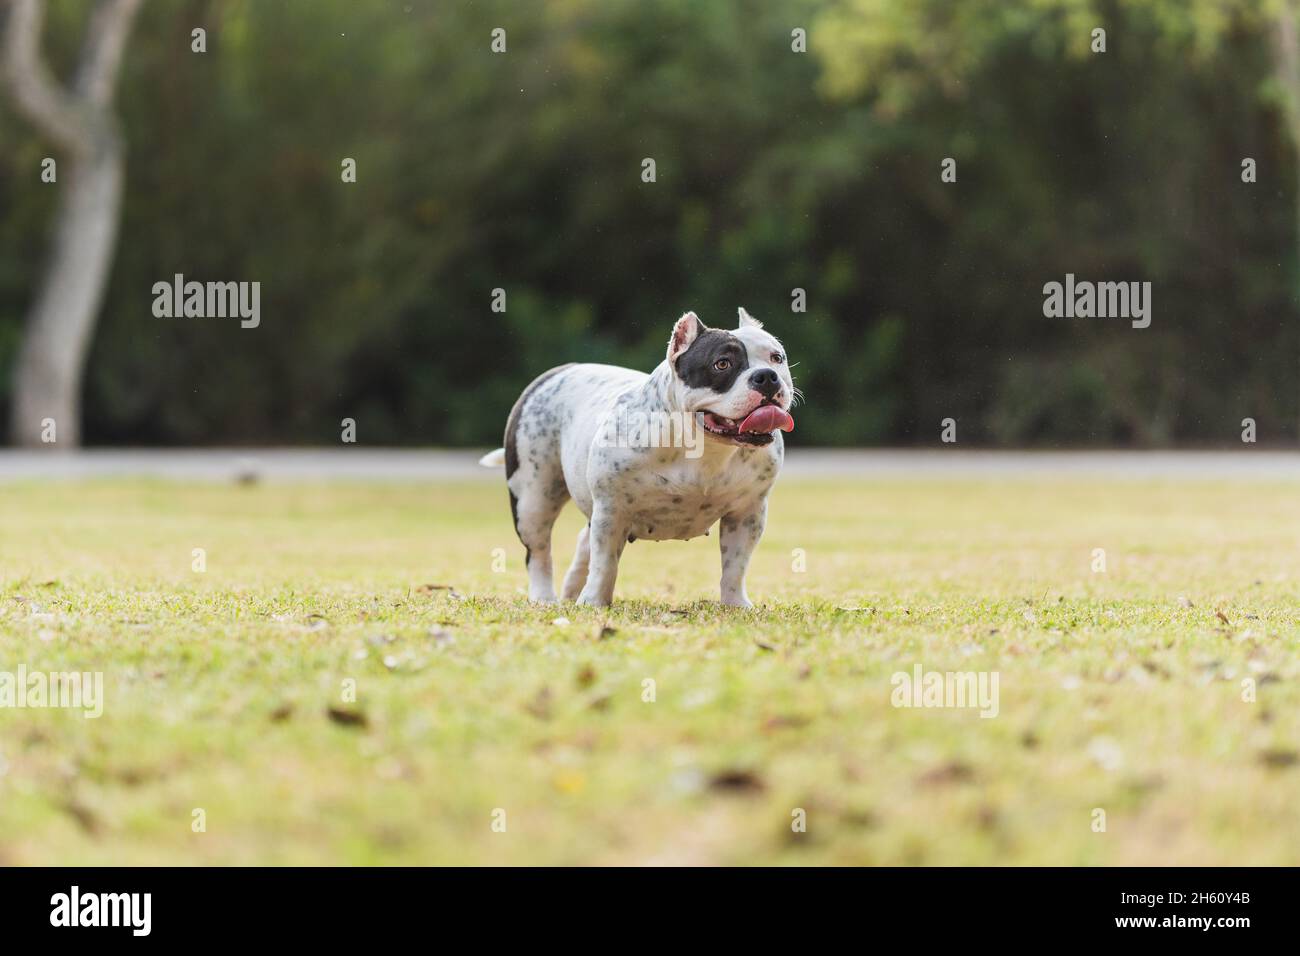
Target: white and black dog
[659, 456]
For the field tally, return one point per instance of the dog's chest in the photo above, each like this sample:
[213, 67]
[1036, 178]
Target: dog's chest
[684, 500]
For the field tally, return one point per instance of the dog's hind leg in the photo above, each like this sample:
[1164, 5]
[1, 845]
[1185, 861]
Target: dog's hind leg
[535, 515]
[577, 576]
[535, 476]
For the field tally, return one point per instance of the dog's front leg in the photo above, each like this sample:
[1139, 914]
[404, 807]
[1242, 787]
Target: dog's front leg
[739, 537]
[606, 538]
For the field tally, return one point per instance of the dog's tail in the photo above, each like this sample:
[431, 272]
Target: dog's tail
[494, 459]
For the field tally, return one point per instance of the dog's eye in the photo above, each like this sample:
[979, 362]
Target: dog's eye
[722, 364]
[777, 358]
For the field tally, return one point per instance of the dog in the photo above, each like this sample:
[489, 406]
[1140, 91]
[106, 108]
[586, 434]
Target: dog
[663, 456]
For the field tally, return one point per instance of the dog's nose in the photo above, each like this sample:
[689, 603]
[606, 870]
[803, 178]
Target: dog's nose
[765, 382]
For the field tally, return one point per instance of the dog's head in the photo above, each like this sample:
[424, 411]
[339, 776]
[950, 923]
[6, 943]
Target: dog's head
[739, 381]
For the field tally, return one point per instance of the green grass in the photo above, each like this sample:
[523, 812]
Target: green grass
[1118, 690]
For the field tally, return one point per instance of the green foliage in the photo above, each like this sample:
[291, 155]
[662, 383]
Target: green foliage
[775, 171]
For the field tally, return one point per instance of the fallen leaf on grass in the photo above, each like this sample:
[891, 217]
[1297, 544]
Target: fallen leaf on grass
[347, 718]
[1279, 758]
[986, 817]
[84, 816]
[738, 782]
[586, 676]
[1222, 617]
[282, 713]
[865, 819]
[948, 773]
[1154, 667]
[452, 593]
[785, 722]
[133, 776]
[540, 705]
[1143, 785]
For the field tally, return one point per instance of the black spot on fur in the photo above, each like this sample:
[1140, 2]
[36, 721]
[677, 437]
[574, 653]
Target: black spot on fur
[695, 366]
[512, 423]
[514, 515]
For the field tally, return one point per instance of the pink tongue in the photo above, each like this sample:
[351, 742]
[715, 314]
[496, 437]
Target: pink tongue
[767, 418]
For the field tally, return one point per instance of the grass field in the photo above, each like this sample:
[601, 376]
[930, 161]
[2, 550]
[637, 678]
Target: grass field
[1120, 690]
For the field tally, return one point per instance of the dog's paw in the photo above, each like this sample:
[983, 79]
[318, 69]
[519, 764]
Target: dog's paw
[738, 602]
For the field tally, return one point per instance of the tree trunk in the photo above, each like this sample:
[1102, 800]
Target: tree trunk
[1286, 61]
[1286, 53]
[52, 357]
[61, 324]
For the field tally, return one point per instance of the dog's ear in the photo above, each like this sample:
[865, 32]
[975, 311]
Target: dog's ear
[685, 332]
[747, 320]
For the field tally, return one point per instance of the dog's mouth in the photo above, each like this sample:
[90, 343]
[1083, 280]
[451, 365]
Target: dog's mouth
[756, 428]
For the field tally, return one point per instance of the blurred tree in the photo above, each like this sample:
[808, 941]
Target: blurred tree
[777, 170]
[1109, 160]
[47, 381]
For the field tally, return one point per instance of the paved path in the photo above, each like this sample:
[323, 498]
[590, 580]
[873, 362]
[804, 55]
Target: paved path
[289, 464]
